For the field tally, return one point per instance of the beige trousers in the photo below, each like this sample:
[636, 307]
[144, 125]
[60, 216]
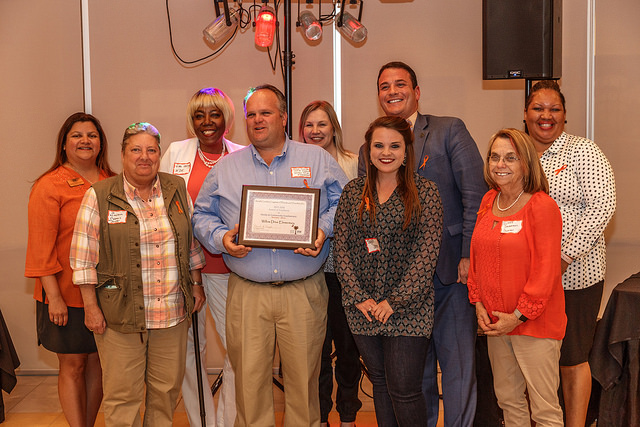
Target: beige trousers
[522, 363]
[155, 358]
[293, 315]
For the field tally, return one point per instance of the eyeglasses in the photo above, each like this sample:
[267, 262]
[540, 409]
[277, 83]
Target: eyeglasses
[510, 159]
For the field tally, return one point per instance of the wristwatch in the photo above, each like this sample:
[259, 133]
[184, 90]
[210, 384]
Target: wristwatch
[520, 316]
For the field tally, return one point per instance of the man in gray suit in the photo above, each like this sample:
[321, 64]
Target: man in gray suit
[447, 155]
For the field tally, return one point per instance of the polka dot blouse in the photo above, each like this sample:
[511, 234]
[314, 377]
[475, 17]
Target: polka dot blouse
[582, 184]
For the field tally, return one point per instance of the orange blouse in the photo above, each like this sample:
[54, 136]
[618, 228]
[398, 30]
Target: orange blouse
[215, 263]
[53, 205]
[515, 263]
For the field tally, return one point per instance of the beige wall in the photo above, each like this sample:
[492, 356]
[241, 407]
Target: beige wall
[135, 77]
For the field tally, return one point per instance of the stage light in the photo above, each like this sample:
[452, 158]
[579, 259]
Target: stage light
[265, 26]
[310, 25]
[218, 30]
[351, 28]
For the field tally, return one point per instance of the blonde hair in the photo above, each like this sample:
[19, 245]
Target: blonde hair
[533, 177]
[333, 118]
[207, 98]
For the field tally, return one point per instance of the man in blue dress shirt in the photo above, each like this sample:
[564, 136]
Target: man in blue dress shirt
[274, 295]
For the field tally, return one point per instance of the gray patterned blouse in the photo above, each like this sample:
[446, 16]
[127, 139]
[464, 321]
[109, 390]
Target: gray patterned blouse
[401, 271]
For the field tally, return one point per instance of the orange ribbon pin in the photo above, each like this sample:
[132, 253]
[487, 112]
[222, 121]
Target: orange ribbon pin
[557, 171]
[424, 161]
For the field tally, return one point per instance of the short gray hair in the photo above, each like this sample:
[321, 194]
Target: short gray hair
[140, 127]
[282, 101]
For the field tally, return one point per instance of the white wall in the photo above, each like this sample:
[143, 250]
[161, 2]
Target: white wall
[135, 77]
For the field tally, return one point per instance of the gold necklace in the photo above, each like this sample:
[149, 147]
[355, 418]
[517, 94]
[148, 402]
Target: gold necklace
[78, 172]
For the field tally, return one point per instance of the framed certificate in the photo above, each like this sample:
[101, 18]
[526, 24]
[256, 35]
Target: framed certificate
[278, 217]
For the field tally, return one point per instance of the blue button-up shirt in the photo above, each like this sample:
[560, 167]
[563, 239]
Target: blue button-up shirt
[217, 207]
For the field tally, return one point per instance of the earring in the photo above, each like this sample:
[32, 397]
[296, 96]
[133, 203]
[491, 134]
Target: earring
[404, 161]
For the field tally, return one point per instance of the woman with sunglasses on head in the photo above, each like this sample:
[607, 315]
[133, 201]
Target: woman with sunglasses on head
[137, 264]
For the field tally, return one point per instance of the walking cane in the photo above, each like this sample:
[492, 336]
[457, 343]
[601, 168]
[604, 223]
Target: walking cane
[196, 345]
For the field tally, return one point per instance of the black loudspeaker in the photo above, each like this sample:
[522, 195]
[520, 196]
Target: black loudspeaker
[522, 39]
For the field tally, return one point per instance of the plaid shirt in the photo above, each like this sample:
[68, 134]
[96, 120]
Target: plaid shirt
[163, 300]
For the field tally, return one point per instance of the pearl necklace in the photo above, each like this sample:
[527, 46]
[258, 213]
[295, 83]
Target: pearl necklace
[511, 205]
[208, 162]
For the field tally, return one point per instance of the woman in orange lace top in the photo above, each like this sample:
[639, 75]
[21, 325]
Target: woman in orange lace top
[515, 281]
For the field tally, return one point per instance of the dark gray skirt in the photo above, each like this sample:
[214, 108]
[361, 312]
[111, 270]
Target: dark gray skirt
[73, 338]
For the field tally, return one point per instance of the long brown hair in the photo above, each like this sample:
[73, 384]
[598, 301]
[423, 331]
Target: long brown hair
[406, 183]
[61, 155]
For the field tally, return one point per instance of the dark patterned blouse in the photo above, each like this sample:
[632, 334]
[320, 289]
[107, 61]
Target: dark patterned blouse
[401, 271]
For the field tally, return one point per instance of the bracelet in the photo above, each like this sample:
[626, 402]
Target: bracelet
[520, 316]
[196, 283]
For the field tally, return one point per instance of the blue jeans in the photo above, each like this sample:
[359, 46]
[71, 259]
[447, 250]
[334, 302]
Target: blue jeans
[395, 365]
[453, 346]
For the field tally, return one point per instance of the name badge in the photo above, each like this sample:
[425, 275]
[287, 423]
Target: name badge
[75, 182]
[117, 217]
[512, 227]
[372, 245]
[301, 172]
[181, 168]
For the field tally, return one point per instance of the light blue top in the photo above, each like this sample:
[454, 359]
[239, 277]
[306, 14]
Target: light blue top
[217, 207]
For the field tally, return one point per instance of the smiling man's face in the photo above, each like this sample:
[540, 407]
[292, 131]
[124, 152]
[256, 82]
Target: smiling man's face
[396, 96]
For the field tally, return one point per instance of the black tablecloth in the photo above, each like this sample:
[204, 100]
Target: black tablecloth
[615, 356]
[8, 363]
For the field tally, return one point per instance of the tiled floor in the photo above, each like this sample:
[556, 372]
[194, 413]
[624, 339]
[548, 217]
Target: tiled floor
[34, 403]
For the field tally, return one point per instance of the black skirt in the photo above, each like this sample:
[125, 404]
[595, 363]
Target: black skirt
[73, 338]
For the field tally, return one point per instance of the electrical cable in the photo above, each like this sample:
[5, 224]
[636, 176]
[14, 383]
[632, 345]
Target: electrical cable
[173, 49]
[244, 20]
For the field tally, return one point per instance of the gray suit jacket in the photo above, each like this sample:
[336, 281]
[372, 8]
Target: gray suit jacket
[447, 155]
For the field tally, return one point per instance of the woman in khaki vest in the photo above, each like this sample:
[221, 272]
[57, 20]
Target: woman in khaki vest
[138, 268]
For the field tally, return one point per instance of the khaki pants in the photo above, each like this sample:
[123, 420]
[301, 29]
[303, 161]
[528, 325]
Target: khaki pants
[521, 362]
[295, 316]
[156, 358]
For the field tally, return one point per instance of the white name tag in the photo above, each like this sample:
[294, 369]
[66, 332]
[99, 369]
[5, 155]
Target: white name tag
[372, 245]
[301, 172]
[117, 217]
[181, 168]
[511, 226]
